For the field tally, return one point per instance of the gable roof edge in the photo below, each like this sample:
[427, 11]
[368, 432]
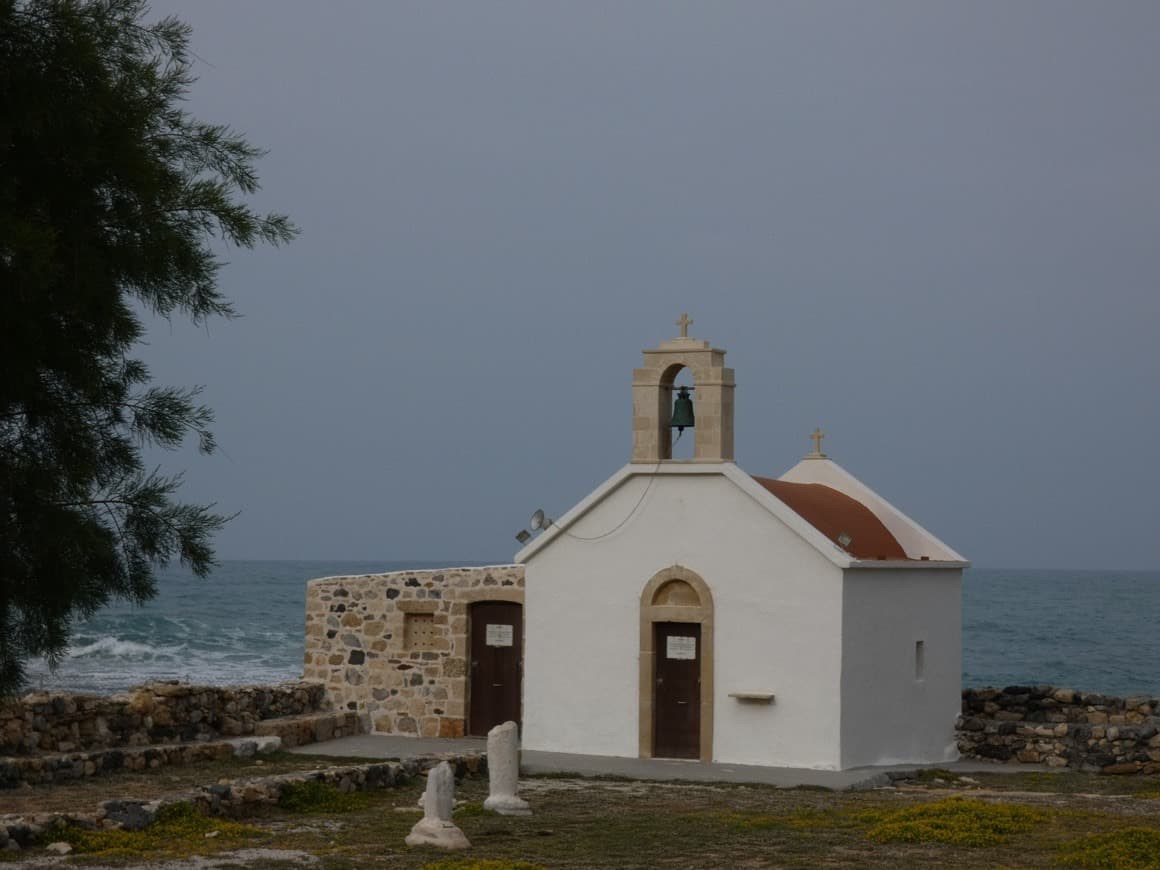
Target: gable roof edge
[835, 476]
[790, 518]
[763, 497]
[576, 511]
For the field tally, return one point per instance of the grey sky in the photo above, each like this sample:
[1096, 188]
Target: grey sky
[930, 228]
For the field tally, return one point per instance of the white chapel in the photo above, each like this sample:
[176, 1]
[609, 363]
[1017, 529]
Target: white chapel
[691, 609]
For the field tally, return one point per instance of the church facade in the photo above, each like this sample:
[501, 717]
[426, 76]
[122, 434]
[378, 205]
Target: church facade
[688, 609]
[684, 609]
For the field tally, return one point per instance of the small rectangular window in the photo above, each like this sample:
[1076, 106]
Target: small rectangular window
[919, 659]
[418, 631]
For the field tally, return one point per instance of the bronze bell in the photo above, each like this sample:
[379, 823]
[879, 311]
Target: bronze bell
[683, 411]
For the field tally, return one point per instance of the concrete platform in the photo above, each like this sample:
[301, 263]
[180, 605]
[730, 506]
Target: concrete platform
[391, 746]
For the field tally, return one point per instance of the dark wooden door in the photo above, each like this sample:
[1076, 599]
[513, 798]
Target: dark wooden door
[677, 690]
[497, 649]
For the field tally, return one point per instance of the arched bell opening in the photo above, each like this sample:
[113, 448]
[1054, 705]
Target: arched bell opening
[677, 415]
[653, 398]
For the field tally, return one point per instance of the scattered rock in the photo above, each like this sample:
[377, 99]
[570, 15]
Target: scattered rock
[130, 815]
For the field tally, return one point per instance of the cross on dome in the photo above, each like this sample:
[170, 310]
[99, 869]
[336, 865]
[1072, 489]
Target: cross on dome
[817, 435]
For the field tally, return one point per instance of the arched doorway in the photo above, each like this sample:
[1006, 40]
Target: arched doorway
[676, 666]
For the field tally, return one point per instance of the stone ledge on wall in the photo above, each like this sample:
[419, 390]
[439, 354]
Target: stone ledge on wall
[1061, 728]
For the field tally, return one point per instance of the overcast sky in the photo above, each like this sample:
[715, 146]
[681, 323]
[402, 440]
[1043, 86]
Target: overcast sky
[932, 229]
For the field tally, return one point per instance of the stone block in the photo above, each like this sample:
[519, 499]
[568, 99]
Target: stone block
[454, 667]
[384, 723]
[324, 729]
[1121, 769]
[449, 727]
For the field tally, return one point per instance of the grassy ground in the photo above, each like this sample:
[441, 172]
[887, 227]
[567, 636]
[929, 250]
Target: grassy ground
[994, 820]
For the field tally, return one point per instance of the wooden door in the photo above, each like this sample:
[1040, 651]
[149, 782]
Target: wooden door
[497, 649]
[677, 690]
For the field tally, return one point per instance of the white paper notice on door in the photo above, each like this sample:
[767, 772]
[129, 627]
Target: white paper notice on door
[681, 648]
[499, 635]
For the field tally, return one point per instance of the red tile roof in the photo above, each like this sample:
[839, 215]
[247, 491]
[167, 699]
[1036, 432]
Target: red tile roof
[832, 513]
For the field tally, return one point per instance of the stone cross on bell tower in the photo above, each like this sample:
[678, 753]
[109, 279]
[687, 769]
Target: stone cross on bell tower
[652, 399]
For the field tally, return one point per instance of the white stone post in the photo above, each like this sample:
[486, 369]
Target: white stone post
[436, 827]
[503, 771]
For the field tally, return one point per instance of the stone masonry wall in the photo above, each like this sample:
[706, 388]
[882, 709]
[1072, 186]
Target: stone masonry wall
[155, 713]
[1061, 728]
[394, 647]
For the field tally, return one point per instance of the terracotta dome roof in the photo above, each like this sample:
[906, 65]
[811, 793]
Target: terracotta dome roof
[832, 513]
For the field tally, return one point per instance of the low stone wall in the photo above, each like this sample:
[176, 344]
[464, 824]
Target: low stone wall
[1061, 728]
[394, 647]
[156, 713]
[43, 769]
[232, 799]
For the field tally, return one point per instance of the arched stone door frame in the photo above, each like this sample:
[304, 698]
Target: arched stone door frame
[677, 604]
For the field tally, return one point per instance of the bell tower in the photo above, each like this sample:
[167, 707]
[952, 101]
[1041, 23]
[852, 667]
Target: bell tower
[652, 400]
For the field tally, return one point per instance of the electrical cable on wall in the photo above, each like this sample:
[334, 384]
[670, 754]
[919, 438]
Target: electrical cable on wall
[635, 508]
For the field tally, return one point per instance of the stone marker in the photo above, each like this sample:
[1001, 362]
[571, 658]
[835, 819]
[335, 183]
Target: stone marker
[503, 771]
[436, 827]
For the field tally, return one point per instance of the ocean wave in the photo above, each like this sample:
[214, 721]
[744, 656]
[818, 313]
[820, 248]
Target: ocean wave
[115, 647]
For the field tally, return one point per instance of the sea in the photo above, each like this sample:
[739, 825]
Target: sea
[1096, 631]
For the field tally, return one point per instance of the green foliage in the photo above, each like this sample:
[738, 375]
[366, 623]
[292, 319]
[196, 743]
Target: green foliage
[953, 822]
[178, 830]
[112, 200]
[472, 810]
[484, 865]
[313, 796]
[1129, 849]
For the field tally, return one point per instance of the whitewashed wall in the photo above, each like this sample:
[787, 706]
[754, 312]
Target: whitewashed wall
[888, 715]
[777, 603]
